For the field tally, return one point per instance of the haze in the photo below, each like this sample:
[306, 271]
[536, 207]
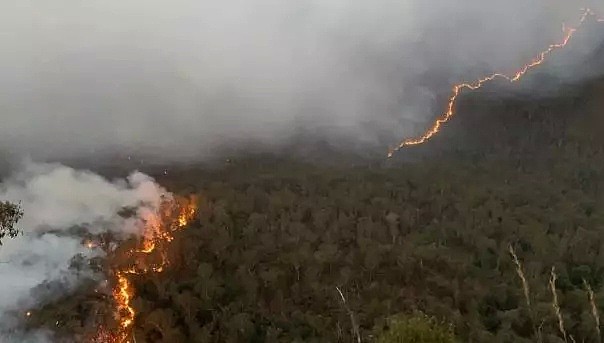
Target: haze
[185, 79]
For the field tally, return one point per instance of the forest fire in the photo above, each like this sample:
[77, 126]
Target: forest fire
[159, 228]
[512, 78]
[122, 295]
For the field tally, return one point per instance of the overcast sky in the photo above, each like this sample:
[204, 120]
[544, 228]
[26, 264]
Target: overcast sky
[184, 78]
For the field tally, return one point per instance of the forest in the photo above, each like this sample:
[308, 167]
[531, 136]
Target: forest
[493, 232]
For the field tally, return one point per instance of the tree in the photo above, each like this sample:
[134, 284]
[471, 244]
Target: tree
[417, 328]
[10, 214]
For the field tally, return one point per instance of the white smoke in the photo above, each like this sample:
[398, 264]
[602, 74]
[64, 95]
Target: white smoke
[55, 199]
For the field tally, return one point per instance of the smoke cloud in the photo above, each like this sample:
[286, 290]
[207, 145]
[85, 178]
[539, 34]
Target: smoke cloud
[185, 79]
[61, 205]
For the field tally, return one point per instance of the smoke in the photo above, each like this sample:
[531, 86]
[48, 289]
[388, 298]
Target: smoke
[61, 206]
[188, 78]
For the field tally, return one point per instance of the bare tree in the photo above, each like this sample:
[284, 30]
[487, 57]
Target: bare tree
[355, 327]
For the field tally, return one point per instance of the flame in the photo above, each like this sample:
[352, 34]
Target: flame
[512, 78]
[148, 247]
[159, 228]
[123, 294]
[186, 213]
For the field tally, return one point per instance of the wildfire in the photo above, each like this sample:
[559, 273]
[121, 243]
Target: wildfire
[186, 214]
[159, 229]
[512, 78]
[123, 295]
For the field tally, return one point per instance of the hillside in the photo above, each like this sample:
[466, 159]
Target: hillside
[429, 231]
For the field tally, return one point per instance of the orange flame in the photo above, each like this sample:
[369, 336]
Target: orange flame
[512, 78]
[122, 295]
[159, 229]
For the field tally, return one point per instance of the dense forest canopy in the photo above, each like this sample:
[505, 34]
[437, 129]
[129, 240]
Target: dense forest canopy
[493, 232]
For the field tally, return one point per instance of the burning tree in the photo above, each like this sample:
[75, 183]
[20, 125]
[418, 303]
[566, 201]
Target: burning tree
[10, 214]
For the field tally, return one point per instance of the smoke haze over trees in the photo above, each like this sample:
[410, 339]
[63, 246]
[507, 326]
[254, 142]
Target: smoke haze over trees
[275, 240]
[192, 78]
[62, 209]
[281, 249]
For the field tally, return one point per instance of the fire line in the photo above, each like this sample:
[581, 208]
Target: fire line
[474, 85]
[173, 215]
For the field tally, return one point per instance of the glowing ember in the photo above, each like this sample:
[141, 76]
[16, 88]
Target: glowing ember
[148, 247]
[159, 227]
[512, 78]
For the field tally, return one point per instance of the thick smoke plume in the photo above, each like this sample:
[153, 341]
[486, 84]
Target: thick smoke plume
[61, 205]
[188, 78]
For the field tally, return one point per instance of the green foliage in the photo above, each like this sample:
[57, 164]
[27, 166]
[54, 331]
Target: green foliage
[10, 214]
[417, 328]
[274, 239]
